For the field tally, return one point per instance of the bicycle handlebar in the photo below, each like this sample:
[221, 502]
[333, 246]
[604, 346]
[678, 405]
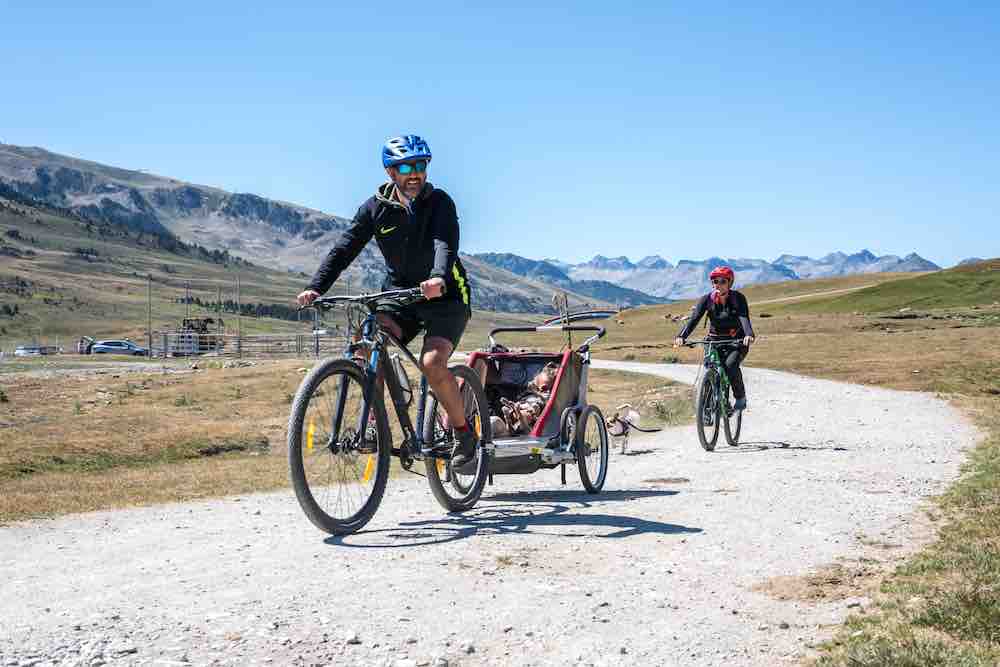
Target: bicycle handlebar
[414, 293]
[707, 342]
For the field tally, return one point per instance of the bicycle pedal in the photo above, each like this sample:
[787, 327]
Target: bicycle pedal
[439, 452]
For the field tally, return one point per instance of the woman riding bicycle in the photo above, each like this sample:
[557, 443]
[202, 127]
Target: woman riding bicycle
[729, 318]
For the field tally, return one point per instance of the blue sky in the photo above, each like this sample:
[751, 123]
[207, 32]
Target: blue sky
[683, 129]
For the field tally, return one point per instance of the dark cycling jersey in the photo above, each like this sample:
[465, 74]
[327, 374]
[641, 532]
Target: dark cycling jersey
[729, 319]
[417, 243]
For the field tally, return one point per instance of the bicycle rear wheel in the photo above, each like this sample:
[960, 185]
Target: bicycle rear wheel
[457, 491]
[338, 466]
[707, 414]
[733, 423]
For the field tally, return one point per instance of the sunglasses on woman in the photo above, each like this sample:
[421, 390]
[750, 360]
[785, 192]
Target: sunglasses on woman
[420, 166]
[719, 281]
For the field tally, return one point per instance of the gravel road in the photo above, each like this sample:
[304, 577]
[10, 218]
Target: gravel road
[660, 569]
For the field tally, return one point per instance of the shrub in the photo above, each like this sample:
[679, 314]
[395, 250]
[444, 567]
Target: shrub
[669, 412]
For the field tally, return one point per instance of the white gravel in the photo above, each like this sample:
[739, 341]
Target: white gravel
[648, 573]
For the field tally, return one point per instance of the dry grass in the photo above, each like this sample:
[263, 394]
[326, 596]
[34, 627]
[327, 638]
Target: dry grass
[659, 401]
[84, 442]
[836, 581]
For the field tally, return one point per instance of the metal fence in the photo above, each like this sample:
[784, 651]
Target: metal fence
[325, 342]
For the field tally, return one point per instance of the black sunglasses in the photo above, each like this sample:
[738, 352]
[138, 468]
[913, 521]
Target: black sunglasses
[719, 281]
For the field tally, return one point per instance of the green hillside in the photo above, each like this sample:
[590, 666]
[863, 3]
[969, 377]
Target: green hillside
[66, 278]
[960, 287]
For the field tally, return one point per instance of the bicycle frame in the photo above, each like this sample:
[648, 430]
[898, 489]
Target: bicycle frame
[376, 340]
[713, 360]
[722, 388]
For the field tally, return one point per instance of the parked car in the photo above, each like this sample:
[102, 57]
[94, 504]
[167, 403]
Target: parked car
[118, 347]
[35, 350]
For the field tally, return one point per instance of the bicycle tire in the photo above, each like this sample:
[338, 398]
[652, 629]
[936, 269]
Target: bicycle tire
[585, 454]
[707, 406]
[304, 491]
[733, 434]
[467, 493]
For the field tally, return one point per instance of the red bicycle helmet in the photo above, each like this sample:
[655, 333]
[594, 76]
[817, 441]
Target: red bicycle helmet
[723, 272]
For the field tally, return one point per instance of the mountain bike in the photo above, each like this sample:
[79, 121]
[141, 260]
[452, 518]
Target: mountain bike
[712, 398]
[339, 437]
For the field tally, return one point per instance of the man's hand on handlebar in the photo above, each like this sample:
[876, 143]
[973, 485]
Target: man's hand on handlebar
[433, 288]
[678, 342]
[749, 340]
[307, 297]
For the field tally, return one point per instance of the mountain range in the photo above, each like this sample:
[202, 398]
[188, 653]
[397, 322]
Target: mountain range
[295, 238]
[657, 277]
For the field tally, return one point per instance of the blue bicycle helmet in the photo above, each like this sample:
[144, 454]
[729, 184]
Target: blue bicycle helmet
[403, 149]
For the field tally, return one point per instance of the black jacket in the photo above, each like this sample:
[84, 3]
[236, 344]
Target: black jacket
[730, 319]
[417, 244]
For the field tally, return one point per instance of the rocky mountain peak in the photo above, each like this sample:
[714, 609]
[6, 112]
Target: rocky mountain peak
[612, 263]
[654, 262]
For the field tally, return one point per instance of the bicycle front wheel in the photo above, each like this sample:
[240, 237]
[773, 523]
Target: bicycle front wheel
[458, 491]
[339, 466]
[707, 412]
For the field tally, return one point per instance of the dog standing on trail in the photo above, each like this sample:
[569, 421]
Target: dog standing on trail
[625, 418]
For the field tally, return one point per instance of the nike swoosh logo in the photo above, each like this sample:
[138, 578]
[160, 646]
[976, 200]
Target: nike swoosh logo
[386, 231]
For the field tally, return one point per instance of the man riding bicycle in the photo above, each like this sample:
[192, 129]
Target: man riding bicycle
[416, 228]
[729, 318]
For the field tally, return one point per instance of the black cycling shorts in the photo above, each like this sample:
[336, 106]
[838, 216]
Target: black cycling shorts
[439, 318]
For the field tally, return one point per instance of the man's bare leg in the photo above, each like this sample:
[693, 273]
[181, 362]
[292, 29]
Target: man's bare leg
[434, 358]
